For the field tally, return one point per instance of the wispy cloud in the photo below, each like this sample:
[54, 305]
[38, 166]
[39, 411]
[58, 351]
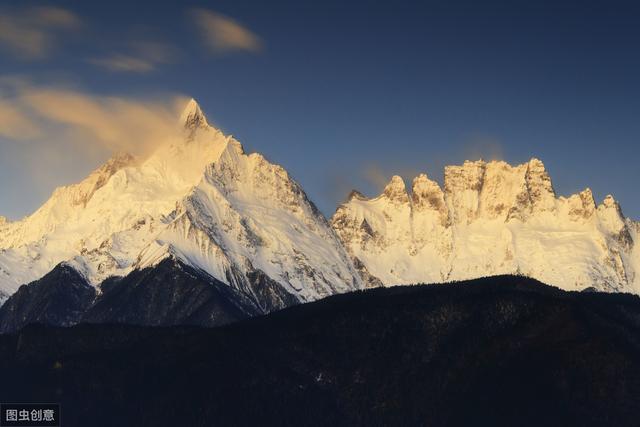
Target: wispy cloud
[127, 63]
[32, 33]
[88, 121]
[376, 176]
[222, 34]
[15, 123]
[141, 57]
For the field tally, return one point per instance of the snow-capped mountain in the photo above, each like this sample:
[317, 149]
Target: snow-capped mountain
[201, 209]
[198, 199]
[491, 218]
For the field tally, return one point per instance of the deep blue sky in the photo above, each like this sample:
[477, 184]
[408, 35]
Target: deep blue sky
[342, 93]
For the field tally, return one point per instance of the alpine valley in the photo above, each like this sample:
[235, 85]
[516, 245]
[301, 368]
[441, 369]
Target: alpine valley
[200, 232]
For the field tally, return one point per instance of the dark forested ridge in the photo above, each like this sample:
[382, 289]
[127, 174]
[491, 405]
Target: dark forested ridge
[59, 298]
[170, 293]
[495, 351]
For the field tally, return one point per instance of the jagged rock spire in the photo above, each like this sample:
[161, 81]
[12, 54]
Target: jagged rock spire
[426, 194]
[395, 190]
[192, 117]
[610, 202]
[611, 212]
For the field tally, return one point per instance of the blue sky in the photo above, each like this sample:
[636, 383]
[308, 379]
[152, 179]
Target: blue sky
[342, 94]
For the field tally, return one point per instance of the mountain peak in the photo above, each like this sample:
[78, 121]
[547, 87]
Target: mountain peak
[192, 117]
[587, 196]
[82, 192]
[396, 190]
[355, 194]
[535, 163]
[609, 201]
[421, 178]
[422, 186]
[427, 194]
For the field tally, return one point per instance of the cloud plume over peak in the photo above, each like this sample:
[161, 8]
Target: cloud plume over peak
[86, 120]
[57, 135]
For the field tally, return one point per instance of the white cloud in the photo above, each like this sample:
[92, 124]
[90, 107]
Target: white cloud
[222, 34]
[32, 33]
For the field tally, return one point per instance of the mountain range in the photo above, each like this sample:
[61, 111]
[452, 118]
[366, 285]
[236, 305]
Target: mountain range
[201, 232]
[491, 218]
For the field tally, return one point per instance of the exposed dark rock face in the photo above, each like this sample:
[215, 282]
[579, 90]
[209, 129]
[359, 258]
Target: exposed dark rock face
[170, 293]
[370, 280]
[60, 298]
[501, 351]
[3, 297]
[268, 294]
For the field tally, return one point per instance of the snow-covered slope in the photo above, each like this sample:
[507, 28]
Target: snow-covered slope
[198, 198]
[247, 219]
[491, 218]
